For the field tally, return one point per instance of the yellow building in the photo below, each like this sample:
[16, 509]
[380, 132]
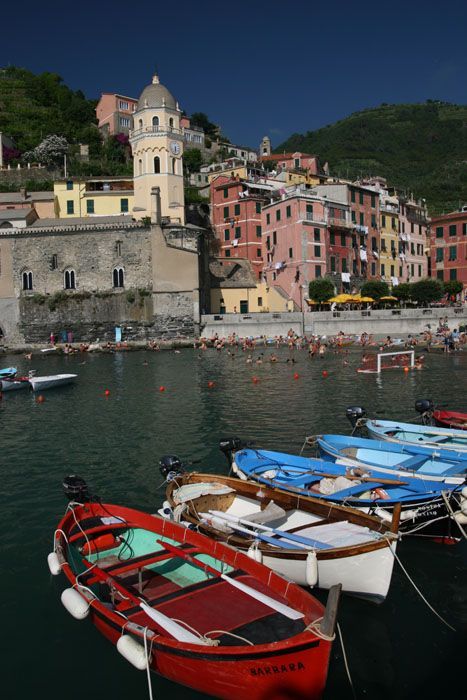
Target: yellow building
[98, 196]
[234, 289]
[389, 222]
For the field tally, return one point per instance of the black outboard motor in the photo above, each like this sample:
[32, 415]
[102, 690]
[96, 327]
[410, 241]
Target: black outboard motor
[354, 414]
[230, 445]
[425, 407]
[170, 466]
[76, 489]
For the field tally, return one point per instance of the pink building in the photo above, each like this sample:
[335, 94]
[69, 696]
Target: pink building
[413, 240]
[236, 217]
[293, 161]
[449, 247]
[115, 113]
[294, 242]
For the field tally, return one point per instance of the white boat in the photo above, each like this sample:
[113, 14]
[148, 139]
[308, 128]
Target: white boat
[51, 381]
[304, 539]
[13, 384]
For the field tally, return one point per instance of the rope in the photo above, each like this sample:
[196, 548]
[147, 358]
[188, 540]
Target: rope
[230, 634]
[419, 591]
[148, 669]
[316, 629]
[344, 655]
[453, 516]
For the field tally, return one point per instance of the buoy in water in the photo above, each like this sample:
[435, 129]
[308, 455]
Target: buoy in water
[255, 380]
[211, 385]
[324, 373]
[162, 388]
[40, 399]
[296, 375]
[406, 369]
[107, 392]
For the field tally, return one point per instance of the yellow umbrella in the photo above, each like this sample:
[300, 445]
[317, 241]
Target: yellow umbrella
[340, 298]
[356, 297]
[388, 298]
[311, 302]
[367, 299]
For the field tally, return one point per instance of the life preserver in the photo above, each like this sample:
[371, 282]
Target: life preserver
[107, 541]
[380, 494]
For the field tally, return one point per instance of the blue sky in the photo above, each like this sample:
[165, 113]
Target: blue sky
[254, 67]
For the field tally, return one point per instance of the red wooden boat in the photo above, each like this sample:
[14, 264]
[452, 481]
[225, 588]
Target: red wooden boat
[202, 614]
[451, 419]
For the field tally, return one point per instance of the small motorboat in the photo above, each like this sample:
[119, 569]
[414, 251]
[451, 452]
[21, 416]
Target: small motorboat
[301, 538]
[188, 607]
[14, 383]
[51, 381]
[434, 509]
[410, 434]
[8, 372]
[450, 419]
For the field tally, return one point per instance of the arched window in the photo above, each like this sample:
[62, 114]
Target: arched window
[140, 167]
[70, 279]
[174, 166]
[27, 280]
[140, 123]
[155, 121]
[171, 122]
[118, 277]
[157, 164]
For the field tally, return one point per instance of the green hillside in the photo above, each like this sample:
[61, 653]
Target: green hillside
[421, 148]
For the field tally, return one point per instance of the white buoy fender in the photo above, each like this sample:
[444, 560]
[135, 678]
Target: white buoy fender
[54, 564]
[76, 605]
[384, 515]
[255, 553]
[464, 507]
[132, 651]
[311, 570]
[409, 514]
[460, 518]
[464, 492]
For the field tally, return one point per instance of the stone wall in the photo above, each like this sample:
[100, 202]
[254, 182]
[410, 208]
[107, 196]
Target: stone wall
[18, 177]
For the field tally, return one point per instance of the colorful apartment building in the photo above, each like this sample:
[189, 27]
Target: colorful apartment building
[236, 207]
[389, 223]
[115, 113]
[413, 240]
[98, 196]
[449, 246]
[292, 161]
[294, 236]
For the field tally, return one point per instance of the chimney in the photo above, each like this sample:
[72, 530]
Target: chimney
[23, 193]
[156, 205]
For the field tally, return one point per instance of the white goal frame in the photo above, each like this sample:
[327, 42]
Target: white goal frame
[387, 354]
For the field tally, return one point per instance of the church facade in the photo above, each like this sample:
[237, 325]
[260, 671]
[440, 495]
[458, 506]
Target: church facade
[139, 271]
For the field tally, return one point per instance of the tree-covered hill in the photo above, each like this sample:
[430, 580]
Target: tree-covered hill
[420, 148]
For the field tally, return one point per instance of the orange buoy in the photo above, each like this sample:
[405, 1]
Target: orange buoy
[107, 392]
[255, 380]
[40, 399]
[211, 385]
[162, 388]
[406, 369]
[324, 373]
[296, 375]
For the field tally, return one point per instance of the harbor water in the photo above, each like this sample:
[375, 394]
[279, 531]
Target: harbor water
[395, 650]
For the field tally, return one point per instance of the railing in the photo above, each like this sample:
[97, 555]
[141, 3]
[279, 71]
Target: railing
[313, 218]
[158, 130]
[342, 223]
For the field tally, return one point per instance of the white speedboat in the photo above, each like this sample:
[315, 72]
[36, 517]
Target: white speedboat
[51, 381]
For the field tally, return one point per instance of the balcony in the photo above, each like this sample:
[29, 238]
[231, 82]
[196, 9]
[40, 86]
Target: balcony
[312, 219]
[340, 223]
[157, 131]
[389, 208]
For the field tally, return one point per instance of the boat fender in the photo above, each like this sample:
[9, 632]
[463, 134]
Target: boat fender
[464, 507]
[311, 569]
[255, 553]
[464, 492]
[167, 510]
[383, 514]
[99, 543]
[132, 651]
[460, 518]
[409, 514]
[75, 604]
[54, 564]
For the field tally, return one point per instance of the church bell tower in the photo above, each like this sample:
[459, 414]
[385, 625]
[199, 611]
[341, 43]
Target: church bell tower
[157, 145]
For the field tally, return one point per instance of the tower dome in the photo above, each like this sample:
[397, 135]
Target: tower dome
[156, 96]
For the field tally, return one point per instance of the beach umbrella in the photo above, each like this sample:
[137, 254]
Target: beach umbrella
[366, 299]
[312, 302]
[340, 299]
[388, 298]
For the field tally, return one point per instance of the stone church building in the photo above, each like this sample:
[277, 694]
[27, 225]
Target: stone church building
[87, 275]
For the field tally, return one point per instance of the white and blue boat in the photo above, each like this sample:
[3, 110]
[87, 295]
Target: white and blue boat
[418, 461]
[429, 508]
[8, 372]
[412, 434]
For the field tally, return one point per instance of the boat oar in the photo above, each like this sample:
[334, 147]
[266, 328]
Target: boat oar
[253, 533]
[303, 541]
[262, 597]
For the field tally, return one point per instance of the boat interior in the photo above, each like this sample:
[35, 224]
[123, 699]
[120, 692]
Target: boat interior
[182, 584]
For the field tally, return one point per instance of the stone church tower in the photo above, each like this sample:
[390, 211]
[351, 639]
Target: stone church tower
[157, 145]
[265, 148]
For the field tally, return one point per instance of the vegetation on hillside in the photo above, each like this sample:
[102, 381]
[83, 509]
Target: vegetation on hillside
[419, 148]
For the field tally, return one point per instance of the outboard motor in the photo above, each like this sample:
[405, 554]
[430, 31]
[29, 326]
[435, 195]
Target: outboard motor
[425, 407]
[170, 466]
[76, 489]
[355, 414]
[230, 445]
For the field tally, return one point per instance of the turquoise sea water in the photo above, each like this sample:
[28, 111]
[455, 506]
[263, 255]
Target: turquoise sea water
[398, 649]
